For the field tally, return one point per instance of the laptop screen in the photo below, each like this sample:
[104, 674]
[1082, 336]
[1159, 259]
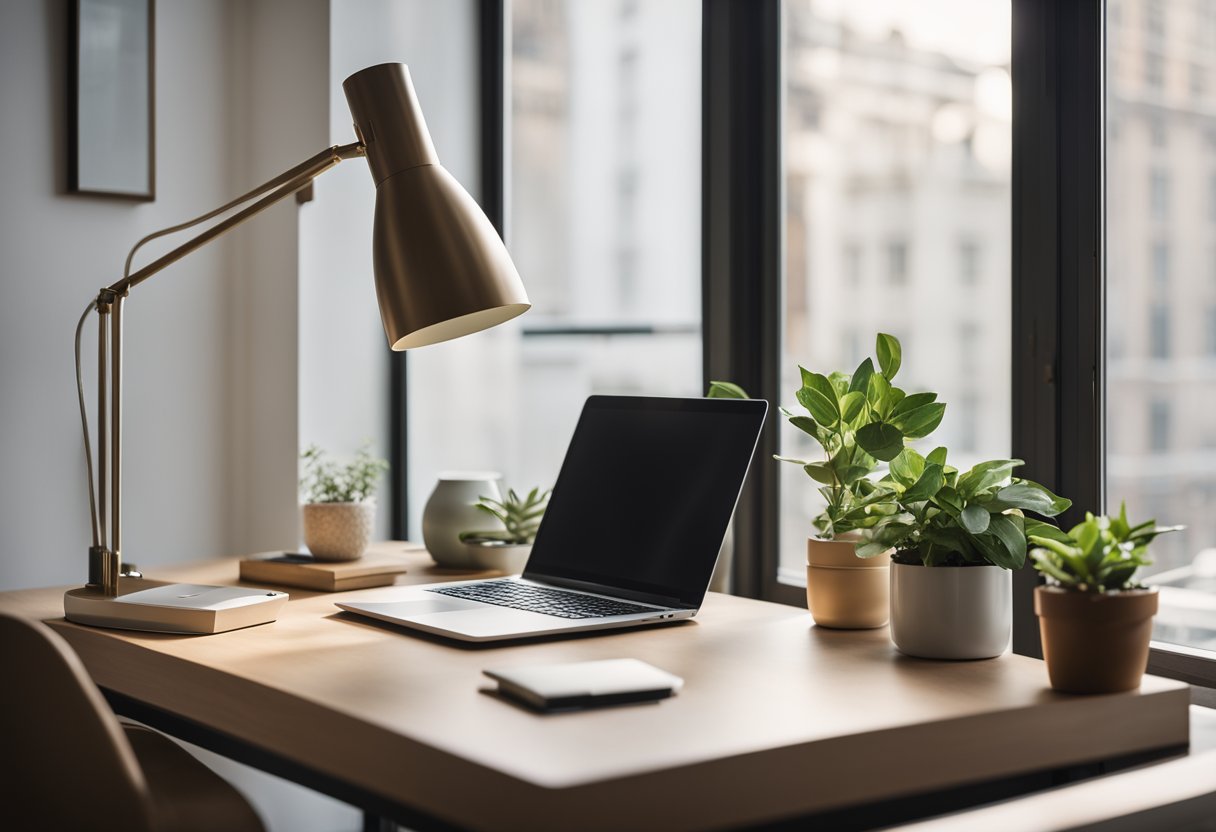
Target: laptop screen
[645, 494]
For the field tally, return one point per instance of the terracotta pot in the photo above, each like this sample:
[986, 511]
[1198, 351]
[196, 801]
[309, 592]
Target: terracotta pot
[1095, 642]
[951, 612]
[338, 531]
[843, 590]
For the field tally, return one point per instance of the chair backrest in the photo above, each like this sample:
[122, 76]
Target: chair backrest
[67, 762]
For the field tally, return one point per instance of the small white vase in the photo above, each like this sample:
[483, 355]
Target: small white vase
[951, 612]
[451, 510]
[339, 531]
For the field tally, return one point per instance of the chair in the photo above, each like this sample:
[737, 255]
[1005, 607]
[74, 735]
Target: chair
[70, 764]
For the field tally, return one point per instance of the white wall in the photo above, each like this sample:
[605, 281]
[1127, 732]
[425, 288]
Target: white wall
[57, 250]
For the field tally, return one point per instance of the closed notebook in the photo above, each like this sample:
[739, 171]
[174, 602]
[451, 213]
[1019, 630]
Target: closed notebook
[585, 684]
[326, 576]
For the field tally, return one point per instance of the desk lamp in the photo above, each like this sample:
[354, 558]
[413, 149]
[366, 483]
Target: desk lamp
[441, 271]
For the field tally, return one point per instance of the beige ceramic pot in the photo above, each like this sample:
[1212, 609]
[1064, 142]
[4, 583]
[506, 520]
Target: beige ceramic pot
[843, 590]
[338, 531]
[1095, 642]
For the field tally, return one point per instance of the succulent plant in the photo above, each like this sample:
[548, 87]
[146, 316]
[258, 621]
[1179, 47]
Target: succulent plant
[520, 517]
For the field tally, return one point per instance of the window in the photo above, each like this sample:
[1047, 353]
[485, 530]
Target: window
[1159, 194]
[896, 135]
[969, 262]
[897, 263]
[1159, 331]
[1161, 264]
[603, 218]
[1160, 388]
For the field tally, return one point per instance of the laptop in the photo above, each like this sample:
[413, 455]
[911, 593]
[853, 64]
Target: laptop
[631, 535]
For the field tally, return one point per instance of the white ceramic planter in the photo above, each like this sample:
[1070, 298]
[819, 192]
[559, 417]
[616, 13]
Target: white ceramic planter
[451, 511]
[339, 531]
[951, 612]
[509, 558]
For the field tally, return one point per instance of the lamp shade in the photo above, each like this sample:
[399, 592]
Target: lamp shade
[441, 269]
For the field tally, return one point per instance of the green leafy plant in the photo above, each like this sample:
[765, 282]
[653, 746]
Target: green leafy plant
[326, 482]
[1098, 555]
[859, 420]
[520, 517]
[725, 390]
[935, 515]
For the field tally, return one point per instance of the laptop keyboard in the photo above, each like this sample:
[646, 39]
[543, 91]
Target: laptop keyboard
[556, 602]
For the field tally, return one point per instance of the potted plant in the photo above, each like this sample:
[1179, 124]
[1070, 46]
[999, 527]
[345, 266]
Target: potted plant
[1094, 618]
[507, 549]
[858, 420]
[339, 512]
[956, 537]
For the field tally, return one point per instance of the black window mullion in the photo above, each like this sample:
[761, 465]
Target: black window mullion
[741, 249]
[1057, 274]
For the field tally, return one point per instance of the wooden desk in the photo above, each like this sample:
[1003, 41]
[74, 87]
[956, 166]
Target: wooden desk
[777, 718]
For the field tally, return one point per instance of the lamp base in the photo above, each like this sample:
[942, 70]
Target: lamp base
[151, 606]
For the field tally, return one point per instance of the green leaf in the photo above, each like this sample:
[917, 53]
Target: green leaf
[925, 487]
[985, 475]
[907, 467]
[725, 390]
[821, 408]
[860, 382]
[1009, 532]
[919, 421]
[975, 519]
[880, 440]
[877, 390]
[805, 424]
[937, 455]
[1036, 528]
[949, 499]
[820, 382]
[851, 404]
[1030, 496]
[869, 550]
[913, 401]
[851, 474]
[820, 472]
[889, 355]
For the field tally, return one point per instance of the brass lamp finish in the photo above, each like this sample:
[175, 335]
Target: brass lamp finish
[441, 270]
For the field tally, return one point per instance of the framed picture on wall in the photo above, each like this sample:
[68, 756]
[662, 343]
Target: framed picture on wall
[111, 150]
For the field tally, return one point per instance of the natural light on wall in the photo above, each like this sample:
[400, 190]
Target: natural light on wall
[897, 137]
[604, 225]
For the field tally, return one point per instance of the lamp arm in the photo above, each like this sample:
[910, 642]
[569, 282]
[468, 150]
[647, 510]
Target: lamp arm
[286, 183]
[105, 555]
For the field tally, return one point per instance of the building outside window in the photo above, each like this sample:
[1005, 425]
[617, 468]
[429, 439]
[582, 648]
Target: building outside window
[603, 223]
[1161, 320]
[897, 134]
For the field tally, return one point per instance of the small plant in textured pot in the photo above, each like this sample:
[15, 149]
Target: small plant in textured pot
[859, 420]
[339, 512]
[956, 536]
[1094, 618]
[507, 549]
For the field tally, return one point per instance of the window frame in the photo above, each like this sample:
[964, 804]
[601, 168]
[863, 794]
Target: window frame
[1057, 293]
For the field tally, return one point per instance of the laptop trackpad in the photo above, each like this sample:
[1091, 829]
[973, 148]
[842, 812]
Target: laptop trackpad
[421, 606]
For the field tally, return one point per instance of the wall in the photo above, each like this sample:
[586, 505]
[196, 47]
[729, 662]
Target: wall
[56, 250]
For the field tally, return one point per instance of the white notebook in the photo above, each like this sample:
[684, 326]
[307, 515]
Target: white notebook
[571, 685]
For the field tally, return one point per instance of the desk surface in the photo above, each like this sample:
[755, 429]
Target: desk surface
[777, 717]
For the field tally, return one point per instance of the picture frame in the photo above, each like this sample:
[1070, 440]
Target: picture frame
[111, 101]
